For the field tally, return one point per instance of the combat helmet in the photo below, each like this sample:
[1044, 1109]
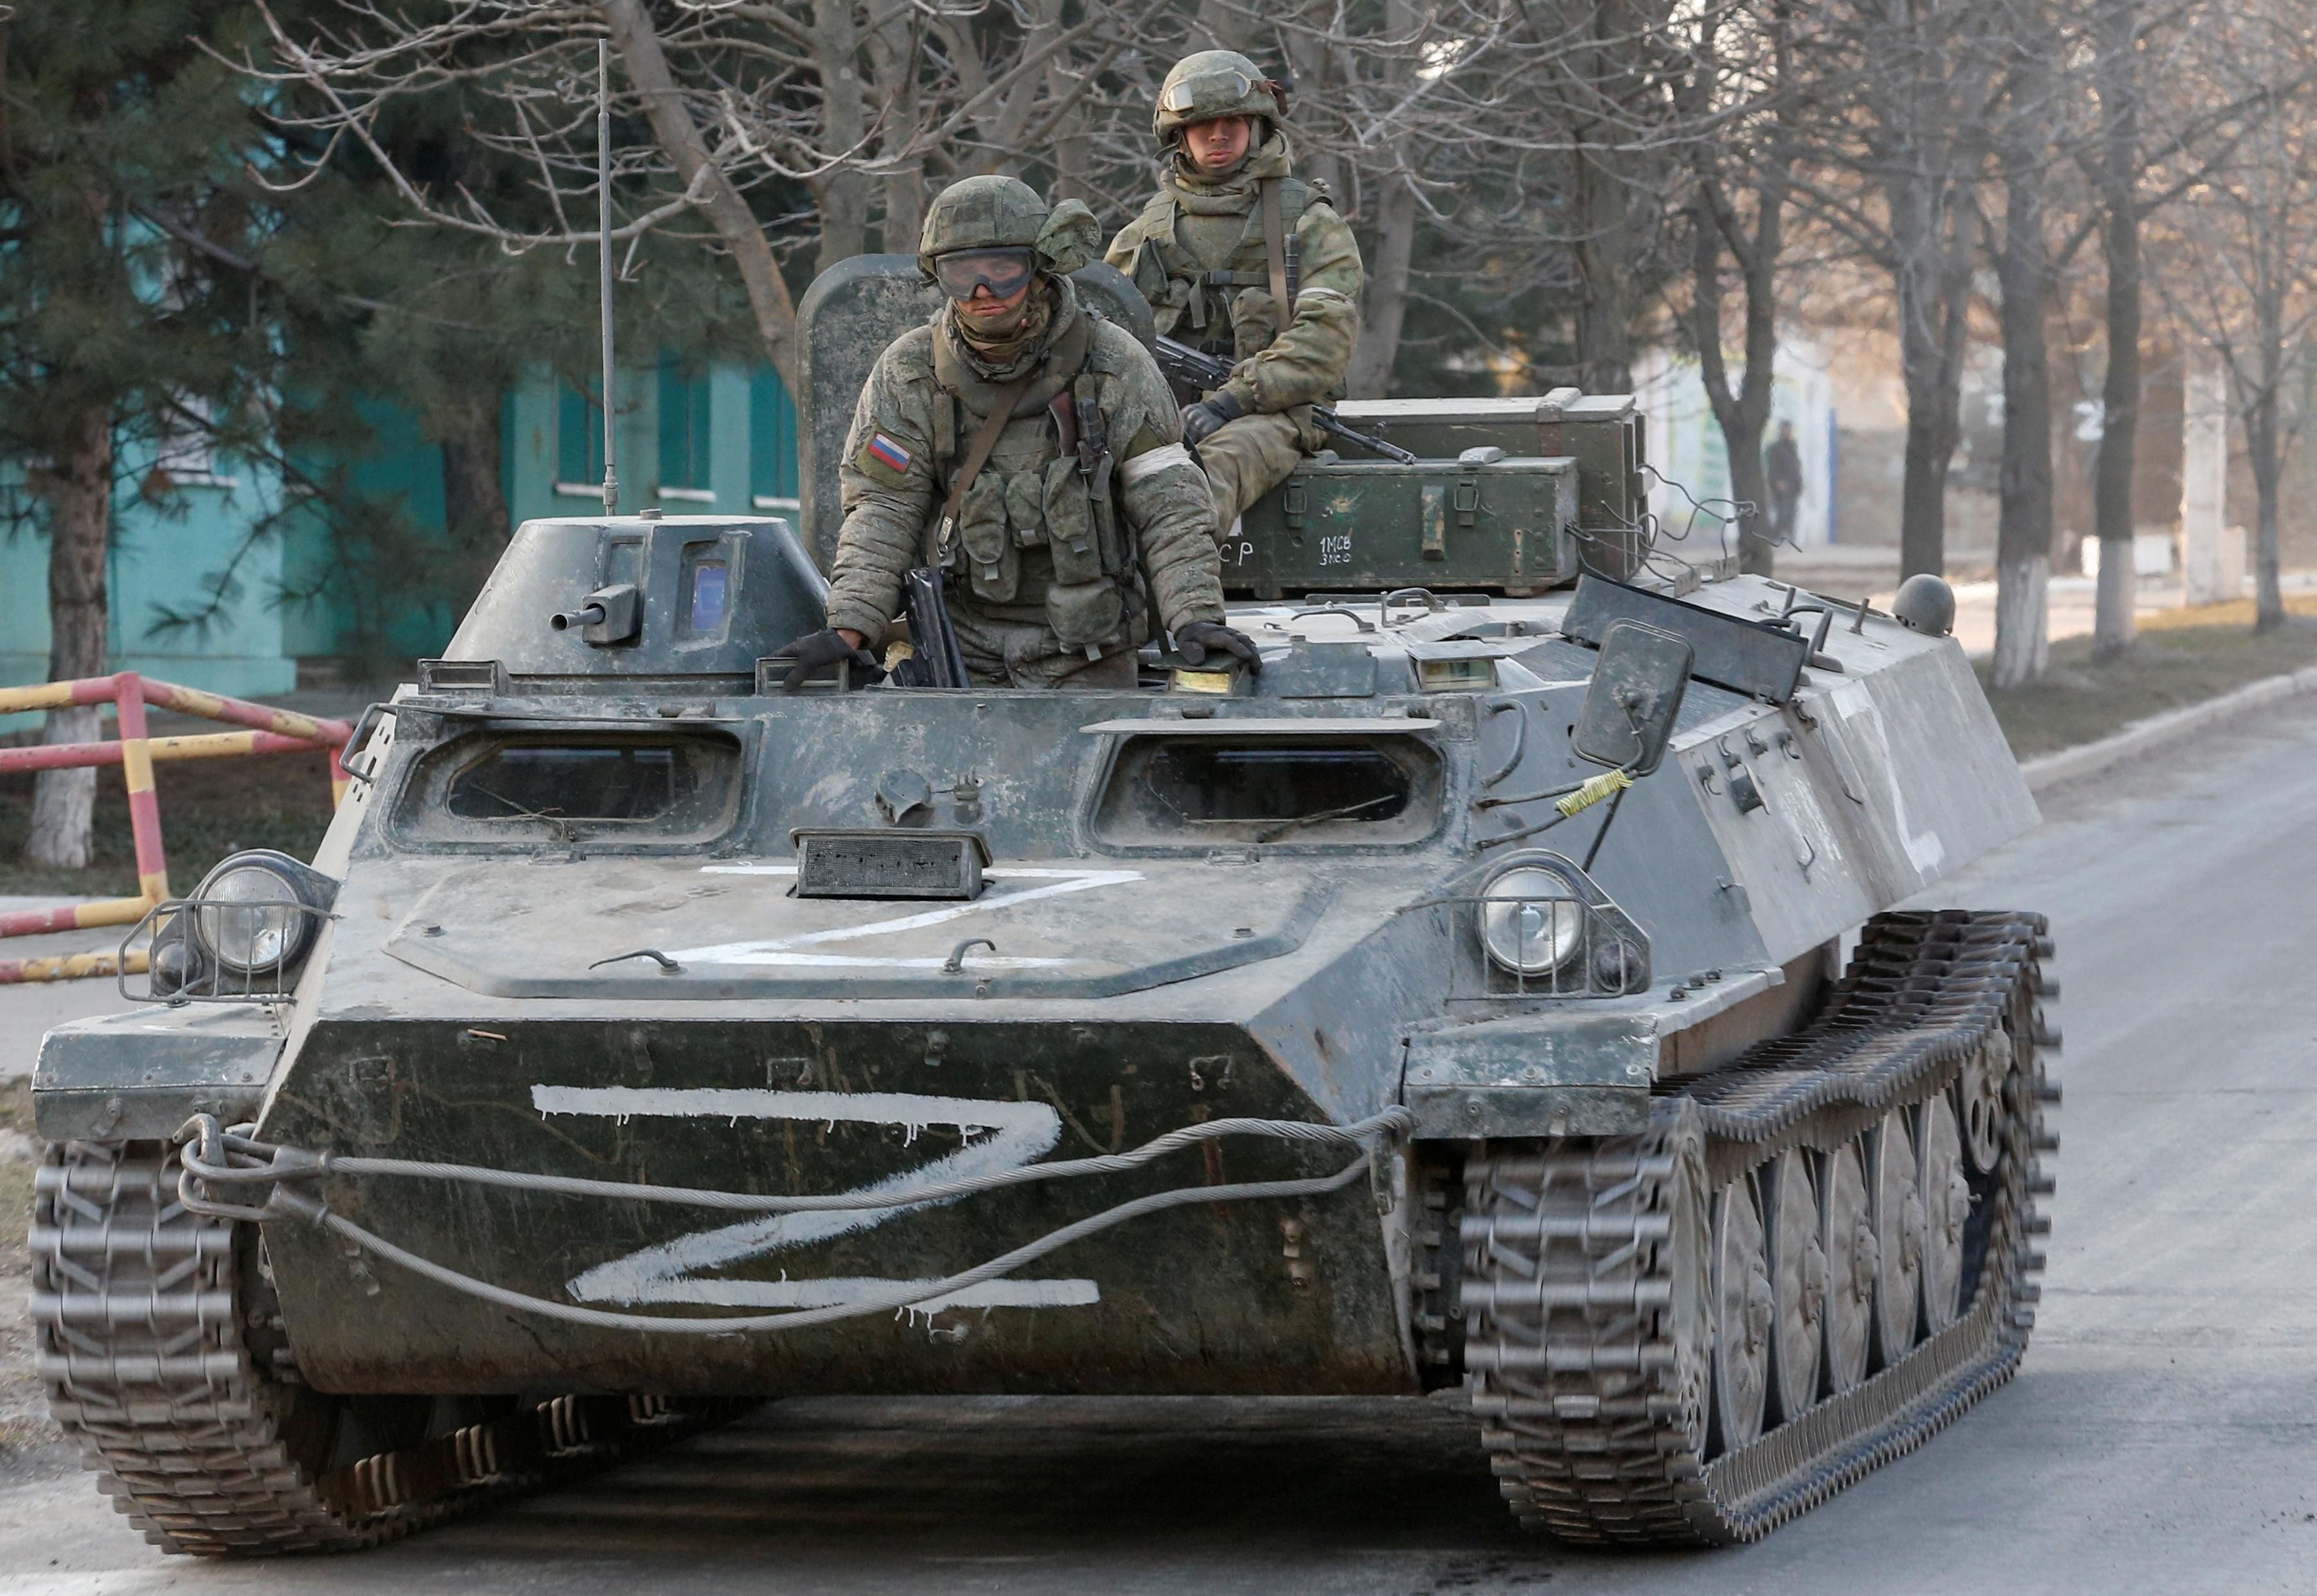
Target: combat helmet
[998, 212]
[1212, 83]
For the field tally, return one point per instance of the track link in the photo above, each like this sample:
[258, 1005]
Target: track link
[1586, 1297]
[149, 1322]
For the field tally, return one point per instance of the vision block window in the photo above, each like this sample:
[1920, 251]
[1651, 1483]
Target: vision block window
[506, 787]
[580, 784]
[707, 600]
[705, 589]
[1214, 789]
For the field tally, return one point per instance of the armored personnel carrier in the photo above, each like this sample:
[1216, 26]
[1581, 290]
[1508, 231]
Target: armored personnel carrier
[1503, 988]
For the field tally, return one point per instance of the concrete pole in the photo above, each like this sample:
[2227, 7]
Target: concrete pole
[2212, 571]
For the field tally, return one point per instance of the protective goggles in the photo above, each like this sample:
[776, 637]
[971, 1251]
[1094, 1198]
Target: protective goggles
[1003, 271]
[1227, 90]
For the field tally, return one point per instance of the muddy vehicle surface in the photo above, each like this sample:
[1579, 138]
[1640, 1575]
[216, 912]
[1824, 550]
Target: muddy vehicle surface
[1502, 989]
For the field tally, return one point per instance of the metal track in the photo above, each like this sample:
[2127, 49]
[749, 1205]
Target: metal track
[1585, 1290]
[146, 1319]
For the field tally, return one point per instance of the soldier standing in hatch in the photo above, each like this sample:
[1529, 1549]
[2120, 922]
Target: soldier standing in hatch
[1231, 237]
[1032, 453]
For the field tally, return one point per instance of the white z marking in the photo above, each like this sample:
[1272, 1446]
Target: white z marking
[1924, 848]
[780, 950]
[1019, 1134]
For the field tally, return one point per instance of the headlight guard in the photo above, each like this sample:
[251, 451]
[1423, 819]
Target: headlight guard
[1545, 929]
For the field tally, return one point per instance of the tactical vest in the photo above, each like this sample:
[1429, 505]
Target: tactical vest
[1223, 311]
[1047, 485]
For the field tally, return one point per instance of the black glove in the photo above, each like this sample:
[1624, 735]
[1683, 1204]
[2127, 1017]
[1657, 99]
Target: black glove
[1203, 419]
[818, 650]
[1193, 639]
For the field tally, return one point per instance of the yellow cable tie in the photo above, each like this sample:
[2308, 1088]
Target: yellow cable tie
[1595, 789]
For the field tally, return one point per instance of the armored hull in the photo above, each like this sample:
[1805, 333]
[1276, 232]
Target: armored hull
[1724, 1202]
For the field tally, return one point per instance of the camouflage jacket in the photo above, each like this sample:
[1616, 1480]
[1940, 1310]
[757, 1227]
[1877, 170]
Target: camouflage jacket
[1037, 543]
[1197, 254]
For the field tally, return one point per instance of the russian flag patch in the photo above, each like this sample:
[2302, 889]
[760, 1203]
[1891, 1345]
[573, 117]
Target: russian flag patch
[888, 453]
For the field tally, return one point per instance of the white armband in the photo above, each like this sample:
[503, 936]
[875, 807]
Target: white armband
[1131, 471]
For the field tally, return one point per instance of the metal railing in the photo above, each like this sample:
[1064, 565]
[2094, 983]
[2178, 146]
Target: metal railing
[263, 730]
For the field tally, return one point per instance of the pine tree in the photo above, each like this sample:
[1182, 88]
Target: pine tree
[115, 336]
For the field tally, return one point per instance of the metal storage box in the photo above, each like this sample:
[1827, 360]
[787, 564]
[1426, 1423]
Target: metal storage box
[1371, 523]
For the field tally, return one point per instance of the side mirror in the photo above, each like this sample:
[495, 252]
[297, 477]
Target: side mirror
[1635, 693]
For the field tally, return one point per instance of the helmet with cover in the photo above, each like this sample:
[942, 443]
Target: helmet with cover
[1212, 84]
[1007, 230]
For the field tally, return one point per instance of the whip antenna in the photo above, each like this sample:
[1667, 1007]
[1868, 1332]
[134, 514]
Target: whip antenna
[603, 260]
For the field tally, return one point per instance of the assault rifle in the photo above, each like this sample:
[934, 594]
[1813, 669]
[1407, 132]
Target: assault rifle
[1199, 373]
[937, 661]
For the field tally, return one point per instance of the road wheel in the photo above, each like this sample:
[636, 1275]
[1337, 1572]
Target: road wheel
[1851, 1261]
[1742, 1314]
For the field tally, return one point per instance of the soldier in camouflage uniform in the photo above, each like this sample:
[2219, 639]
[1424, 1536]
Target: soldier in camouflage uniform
[1231, 234]
[1031, 452]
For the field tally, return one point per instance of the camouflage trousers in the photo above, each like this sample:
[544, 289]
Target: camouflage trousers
[1014, 654]
[1248, 458]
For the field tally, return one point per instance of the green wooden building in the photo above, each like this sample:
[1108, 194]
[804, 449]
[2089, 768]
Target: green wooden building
[692, 439]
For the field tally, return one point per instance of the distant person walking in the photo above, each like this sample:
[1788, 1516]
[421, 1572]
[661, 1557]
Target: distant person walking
[1783, 463]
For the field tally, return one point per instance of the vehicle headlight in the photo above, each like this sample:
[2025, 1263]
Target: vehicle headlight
[1532, 921]
[257, 912]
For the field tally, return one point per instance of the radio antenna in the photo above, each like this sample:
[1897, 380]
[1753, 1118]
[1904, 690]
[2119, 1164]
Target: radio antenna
[604, 261]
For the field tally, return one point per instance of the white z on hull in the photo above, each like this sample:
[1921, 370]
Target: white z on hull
[677, 1271]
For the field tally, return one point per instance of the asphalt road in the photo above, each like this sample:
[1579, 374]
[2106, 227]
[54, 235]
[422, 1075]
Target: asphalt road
[2162, 1436]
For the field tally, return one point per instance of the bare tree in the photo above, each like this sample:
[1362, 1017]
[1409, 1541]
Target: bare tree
[1897, 152]
[2116, 162]
[1742, 163]
[2024, 150]
[2238, 257]
[744, 108]
[1926, 83]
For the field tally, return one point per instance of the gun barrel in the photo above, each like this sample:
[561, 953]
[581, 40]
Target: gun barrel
[1196, 369]
[1333, 426]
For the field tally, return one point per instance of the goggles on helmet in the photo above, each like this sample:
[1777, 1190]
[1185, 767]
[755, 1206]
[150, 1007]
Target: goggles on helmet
[1226, 92]
[1003, 271]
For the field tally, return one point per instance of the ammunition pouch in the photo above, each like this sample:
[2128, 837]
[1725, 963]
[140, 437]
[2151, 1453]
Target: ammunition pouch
[993, 563]
[1070, 530]
[1081, 614]
[1068, 505]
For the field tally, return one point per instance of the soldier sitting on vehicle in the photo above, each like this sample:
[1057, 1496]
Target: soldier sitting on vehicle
[1031, 452]
[1230, 237]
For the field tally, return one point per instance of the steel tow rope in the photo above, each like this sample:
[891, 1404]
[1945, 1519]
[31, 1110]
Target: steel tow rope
[284, 1166]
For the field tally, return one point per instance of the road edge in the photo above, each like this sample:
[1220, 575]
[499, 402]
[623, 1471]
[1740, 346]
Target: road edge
[2160, 732]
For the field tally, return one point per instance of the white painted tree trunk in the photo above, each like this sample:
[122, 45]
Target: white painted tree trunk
[64, 802]
[2212, 576]
[2022, 635]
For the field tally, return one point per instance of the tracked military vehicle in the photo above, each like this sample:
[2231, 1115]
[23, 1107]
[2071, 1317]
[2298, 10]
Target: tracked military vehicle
[1504, 988]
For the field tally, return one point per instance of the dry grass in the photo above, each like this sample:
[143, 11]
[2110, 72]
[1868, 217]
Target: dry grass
[2183, 657]
[209, 808]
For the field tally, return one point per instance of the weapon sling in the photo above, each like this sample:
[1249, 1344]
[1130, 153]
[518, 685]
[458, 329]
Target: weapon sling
[1274, 253]
[941, 663]
[976, 455]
